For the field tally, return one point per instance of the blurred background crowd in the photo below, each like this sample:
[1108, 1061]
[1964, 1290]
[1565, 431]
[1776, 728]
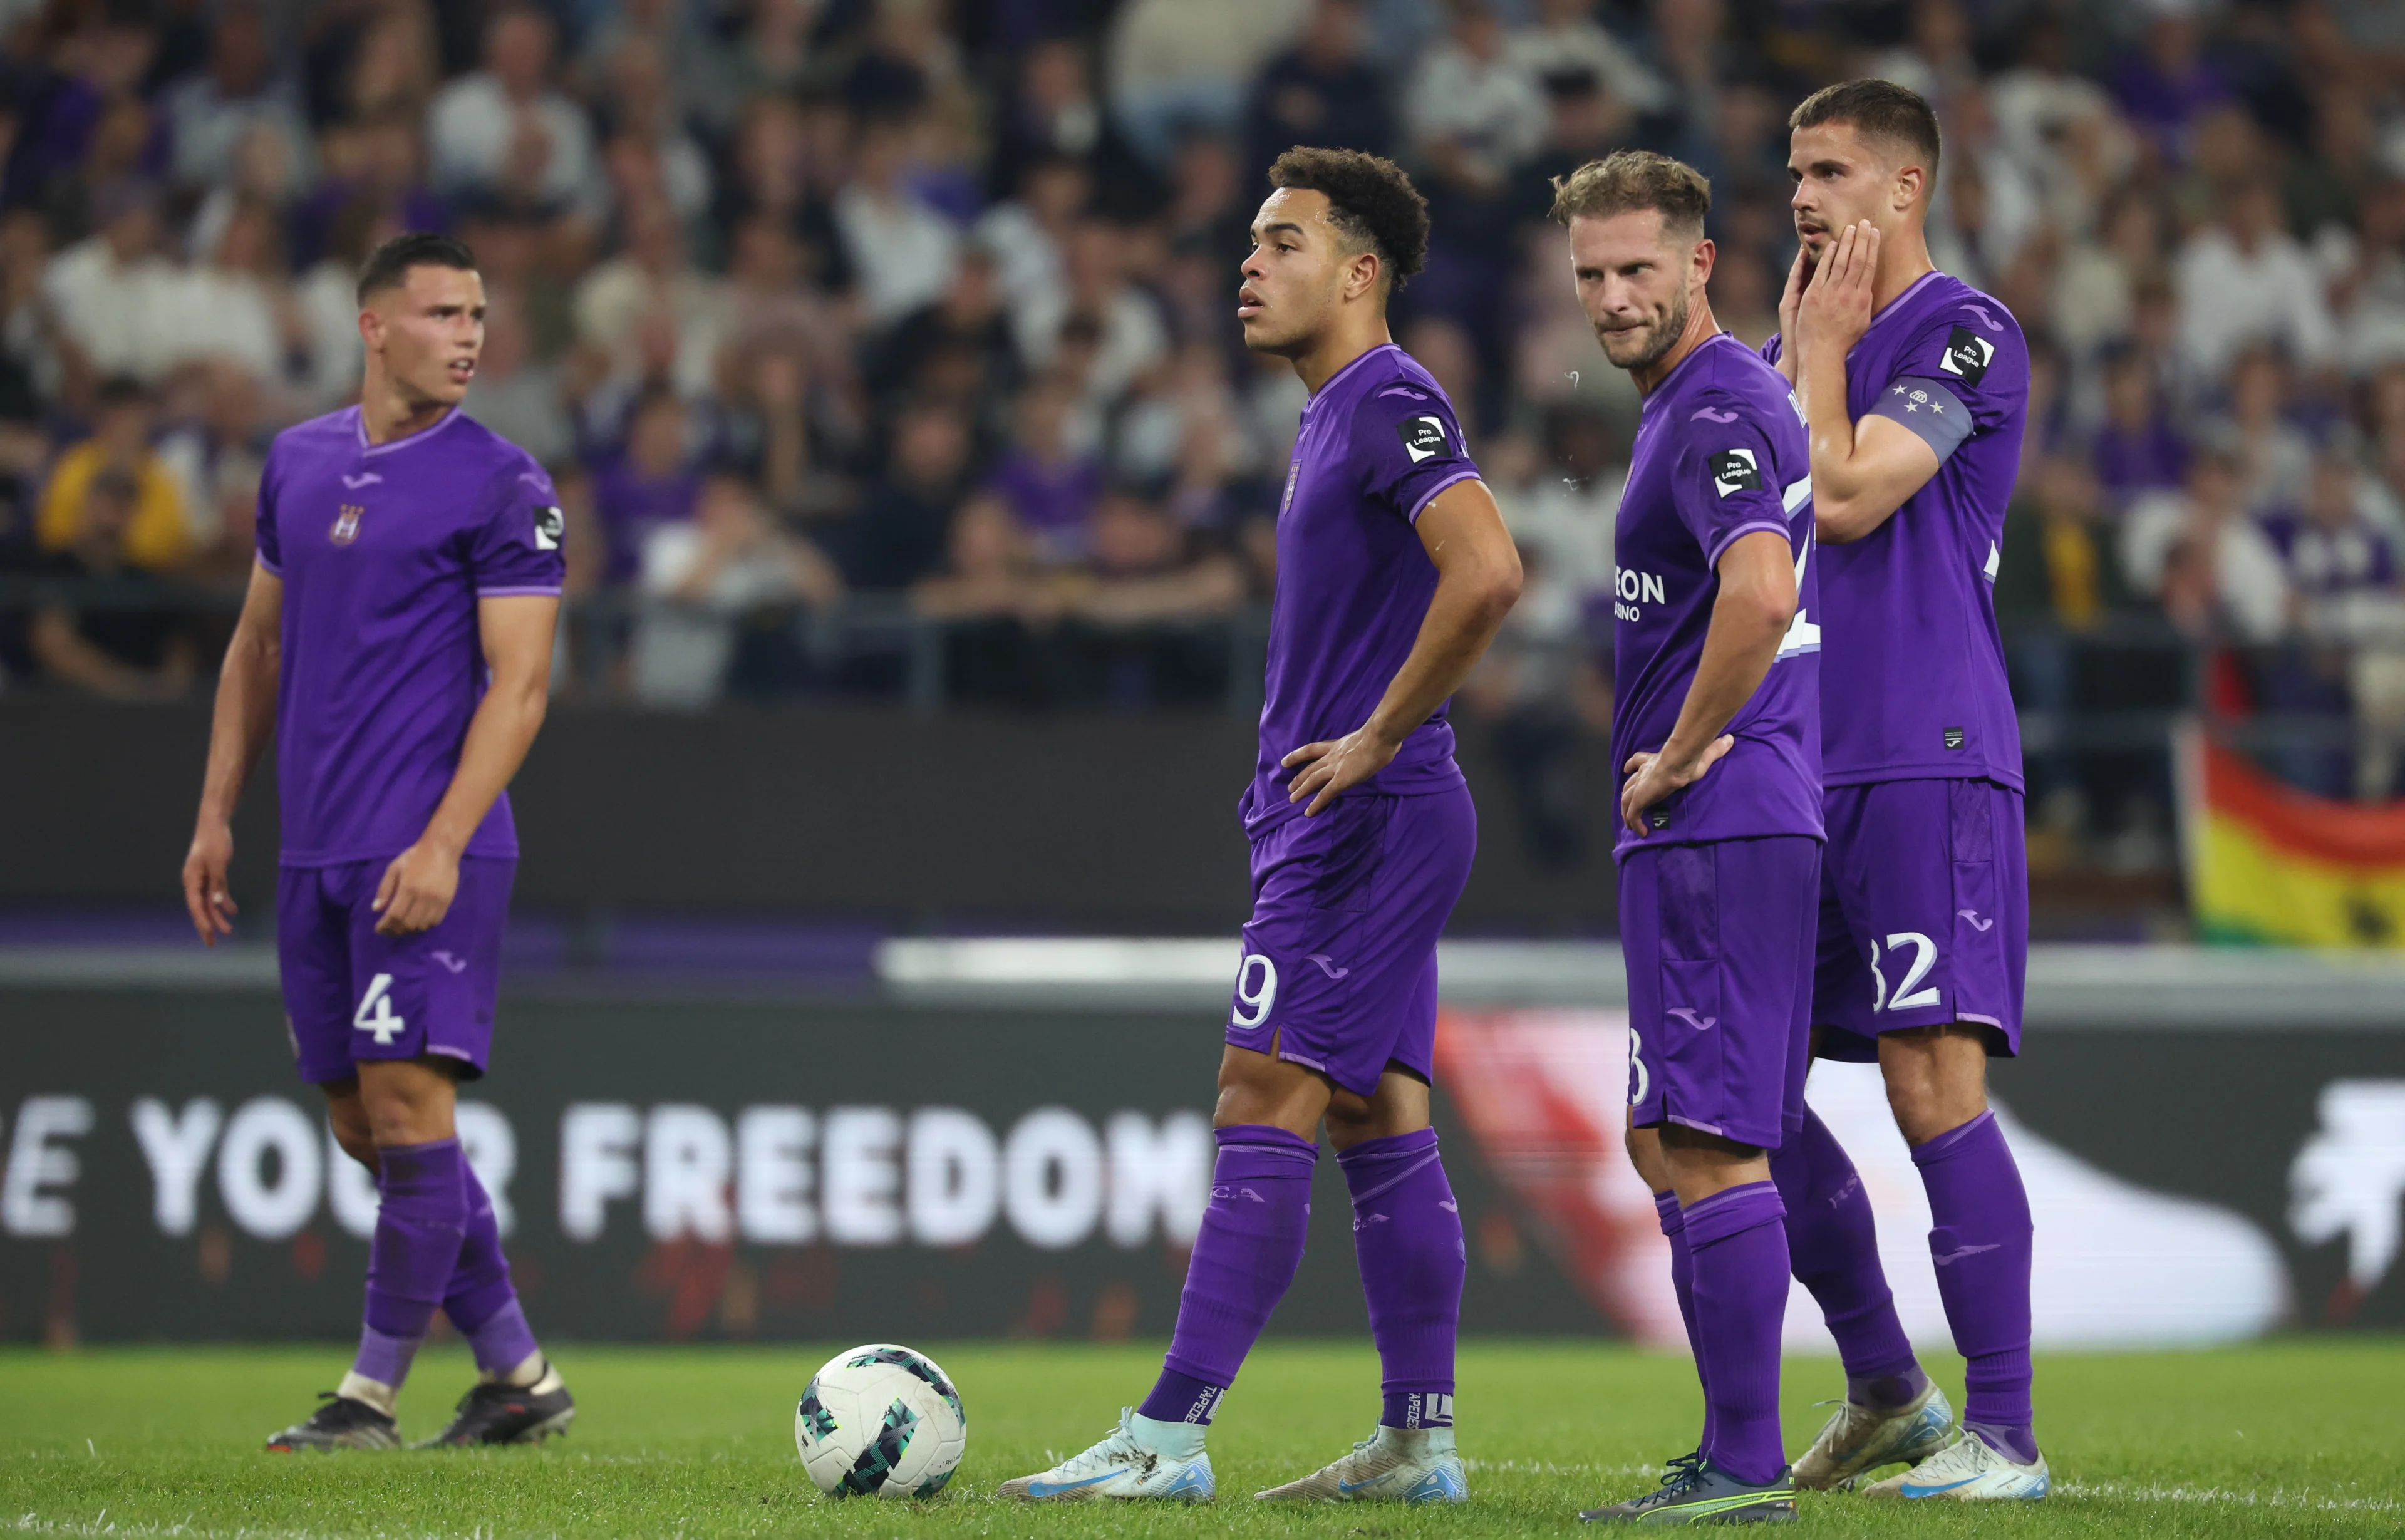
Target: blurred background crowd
[886, 348]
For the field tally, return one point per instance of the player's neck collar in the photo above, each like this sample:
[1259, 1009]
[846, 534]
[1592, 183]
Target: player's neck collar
[1897, 303]
[359, 423]
[1366, 356]
[1662, 385]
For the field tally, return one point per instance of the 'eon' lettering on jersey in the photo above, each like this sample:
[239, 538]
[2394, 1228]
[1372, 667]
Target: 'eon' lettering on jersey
[1632, 588]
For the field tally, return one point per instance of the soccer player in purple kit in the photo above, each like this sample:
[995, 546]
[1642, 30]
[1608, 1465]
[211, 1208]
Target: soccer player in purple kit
[1394, 571]
[1716, 729]
[396, 639]
[1916, 388]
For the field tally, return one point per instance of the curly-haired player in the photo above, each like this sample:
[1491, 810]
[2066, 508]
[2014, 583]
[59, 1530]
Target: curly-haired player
[1394, 571]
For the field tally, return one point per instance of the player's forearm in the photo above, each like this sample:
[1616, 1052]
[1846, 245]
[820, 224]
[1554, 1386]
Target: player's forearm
[1847, 500]
[241, 719]
[499, 737]
[1472, 599]
[1739, 650]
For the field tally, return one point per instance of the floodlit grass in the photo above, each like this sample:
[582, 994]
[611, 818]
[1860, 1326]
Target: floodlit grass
[2290, 1438]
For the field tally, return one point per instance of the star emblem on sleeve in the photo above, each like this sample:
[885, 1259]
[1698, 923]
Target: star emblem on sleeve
[1897, 391]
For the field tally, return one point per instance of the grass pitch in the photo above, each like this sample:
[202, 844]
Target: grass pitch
[2291, 1438]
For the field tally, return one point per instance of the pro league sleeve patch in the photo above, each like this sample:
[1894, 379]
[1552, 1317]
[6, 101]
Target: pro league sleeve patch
[549, 525]
[1967, 356]
[1424, 438]
[1734, 471]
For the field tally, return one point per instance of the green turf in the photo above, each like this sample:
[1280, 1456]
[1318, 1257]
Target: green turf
[2302, 1438]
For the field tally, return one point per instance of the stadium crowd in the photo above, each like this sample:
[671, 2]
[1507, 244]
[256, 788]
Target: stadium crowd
[888, 345]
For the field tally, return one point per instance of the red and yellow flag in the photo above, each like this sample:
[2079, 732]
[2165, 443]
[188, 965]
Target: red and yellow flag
[2272, 864]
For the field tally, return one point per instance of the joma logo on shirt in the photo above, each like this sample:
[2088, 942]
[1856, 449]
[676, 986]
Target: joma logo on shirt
[347, 524]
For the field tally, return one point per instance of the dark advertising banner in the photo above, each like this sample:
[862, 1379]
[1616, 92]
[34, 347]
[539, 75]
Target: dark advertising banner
[707, 1168]
[665, 1170]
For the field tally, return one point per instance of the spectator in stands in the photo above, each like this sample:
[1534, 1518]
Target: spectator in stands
[1538, 688]
[1047, 479]
[156, 534]
[969, 318]
[2198, 555]
[2137, 450]
[2368, 293]
[1028, 236]
[2166, 83]
[1177, 67]
[700, 578]
[653, 483]
[2245, 279]
[642, 109]
[1132, 334]
[107, 291]
[2058, 579]
[1473, 113]
[653, 283]
[899, 532]
[210, 114]
[215, 450]
[504, 134]
[1321, 92]
[899, 247]
[130, 644]
[2274, 456]
[1566, 43]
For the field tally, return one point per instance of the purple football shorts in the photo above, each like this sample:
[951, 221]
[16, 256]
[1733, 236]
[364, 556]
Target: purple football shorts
[1717, 940]
[351, 994]
[1339, 969]
[1924, 914]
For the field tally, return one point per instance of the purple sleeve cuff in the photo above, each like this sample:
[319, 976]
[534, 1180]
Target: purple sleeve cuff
[523, 589]
[1468, 473]
[1776, 526]
[1928, 408]
[274, 569]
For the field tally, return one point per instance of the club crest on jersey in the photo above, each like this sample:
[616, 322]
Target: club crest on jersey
[1967, 355]
[1293, 473]
[549, 524]
[347, 524]
[1424, 438]
[1734, 471]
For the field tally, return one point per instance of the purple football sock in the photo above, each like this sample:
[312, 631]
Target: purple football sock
[1682, 1279]
[480, 1301]
[419, 1222]
[1407, 1238]
[1739, 1247]
[1980, 1242]
[1245, 1256]
[1834, 1242]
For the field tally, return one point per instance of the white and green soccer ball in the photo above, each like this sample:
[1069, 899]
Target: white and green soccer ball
[881, 1422]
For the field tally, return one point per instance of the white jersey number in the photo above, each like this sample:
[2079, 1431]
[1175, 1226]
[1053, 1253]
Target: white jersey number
[1639, 1082]
[375, 1013]
[1908, 997]
[1802, 632]
[1256, 991]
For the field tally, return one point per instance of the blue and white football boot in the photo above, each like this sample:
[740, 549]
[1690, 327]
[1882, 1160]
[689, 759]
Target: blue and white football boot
[1861, 1439]
[1391, 1465]
[1142, 1458]
[1968, 1470]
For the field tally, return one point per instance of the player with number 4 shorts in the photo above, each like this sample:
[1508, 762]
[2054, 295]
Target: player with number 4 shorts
[1394, 571]
[1916, 389]
[396, 640]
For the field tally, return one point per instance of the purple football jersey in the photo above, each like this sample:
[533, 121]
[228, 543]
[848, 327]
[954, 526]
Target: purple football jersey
[383, 550]
[1720, 454]
[1916, 666]
[1377, 442]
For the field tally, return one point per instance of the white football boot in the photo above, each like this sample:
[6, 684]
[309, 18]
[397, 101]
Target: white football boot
[1391, 1465]
[1861, 1439]
[1967, 1470]
[1128, 1464]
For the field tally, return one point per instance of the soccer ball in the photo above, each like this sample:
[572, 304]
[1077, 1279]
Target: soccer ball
[880, 1420]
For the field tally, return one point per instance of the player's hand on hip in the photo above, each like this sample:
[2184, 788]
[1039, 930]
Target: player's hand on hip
[1328, 770]
[416, 890]
[206, 896]
[1654, 776]
[1834, 308]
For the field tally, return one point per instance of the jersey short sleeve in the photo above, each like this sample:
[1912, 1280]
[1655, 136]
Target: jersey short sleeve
[1409, 446]
[1726, 483]
[267, 535]
[1965, 371]
[517, 548]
